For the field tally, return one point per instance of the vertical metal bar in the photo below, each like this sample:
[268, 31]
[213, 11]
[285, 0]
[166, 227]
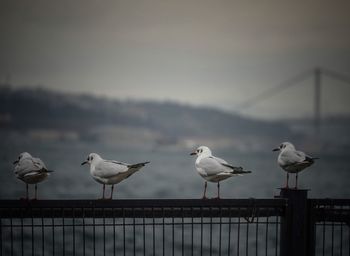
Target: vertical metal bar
[267, 234]
[220, 230]
[247, 238]
[0, 237]
[163, 232]
[229, 233]
[114, 237]
[22, 233]
[104, 231]
[201, 230]
[341, 235]
[349, 240]
[238, 229]
[211, 233]
[153, 233]
[332, 247]
[182, 232]
[63, 233]
[31, 213]
[124, 238]
[276, 234]
[173, 232]
[53, 230]
[73, 212]
[11, 232]
[256, 236]
[42, 233]
[256, 231]
[144, 232]
[323, 237]
[93, 231]
[133, 230]
[84, 242]
[192, 231]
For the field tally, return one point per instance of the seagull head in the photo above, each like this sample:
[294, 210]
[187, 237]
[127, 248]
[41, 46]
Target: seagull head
[92, 157]
[23, 155]
[283, 146]
[201, 151]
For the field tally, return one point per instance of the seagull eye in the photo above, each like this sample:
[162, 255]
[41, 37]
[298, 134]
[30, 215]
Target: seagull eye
[91, 158]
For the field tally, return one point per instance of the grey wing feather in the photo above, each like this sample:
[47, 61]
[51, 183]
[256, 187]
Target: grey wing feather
[39, 163]
[116, 162]
[220, 160]
[233, 169]
[107, 169]
[212, 166]
[26, 166]
[290, 157]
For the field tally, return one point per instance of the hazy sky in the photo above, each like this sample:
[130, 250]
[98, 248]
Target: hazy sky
[216, 53]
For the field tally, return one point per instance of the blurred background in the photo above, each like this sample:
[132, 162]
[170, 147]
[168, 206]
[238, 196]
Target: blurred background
[151, 80]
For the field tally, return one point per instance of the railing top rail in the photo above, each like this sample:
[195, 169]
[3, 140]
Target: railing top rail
[330, 201]
[143, 203]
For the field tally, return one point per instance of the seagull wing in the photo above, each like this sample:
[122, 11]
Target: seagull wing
[26, 166]
[292, 157]
[212, 166]
[107, 168]
[39, 164]
[234, 169]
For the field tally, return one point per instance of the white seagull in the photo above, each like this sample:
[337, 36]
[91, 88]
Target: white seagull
[214, 169]
[292, 160]
[30, 170]
[110, 172]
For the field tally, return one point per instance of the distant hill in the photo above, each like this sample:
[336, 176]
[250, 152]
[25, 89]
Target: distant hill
[96, 118]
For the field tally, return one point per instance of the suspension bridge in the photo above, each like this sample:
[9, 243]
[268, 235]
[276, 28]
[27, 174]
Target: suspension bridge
[317, 74]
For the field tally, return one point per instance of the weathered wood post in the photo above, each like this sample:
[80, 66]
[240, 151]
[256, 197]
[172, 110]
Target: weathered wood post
[294, 225]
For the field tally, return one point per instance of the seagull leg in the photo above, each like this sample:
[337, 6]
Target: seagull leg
[27, 192]
[103, 192]
[296, 181]
[287, 180]
[205, 191]
[111, 197]
[36, 192]
[218, 197]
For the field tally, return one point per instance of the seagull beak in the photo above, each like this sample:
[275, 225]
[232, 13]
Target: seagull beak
[15, 162]
[193, 153]
[276, 149]
[85, 162]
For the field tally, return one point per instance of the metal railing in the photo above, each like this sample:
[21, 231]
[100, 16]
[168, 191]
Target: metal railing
[292, 225]
[331, 224]
[141, 227]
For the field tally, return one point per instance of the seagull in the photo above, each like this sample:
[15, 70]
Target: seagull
[30, 170]
[214, 169]
[110, 172]
[292, 160]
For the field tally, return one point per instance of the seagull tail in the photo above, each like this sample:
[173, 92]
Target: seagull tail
[237, 170]
[48, 171]
[311, 159]
[139, 165]
[240, 171]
